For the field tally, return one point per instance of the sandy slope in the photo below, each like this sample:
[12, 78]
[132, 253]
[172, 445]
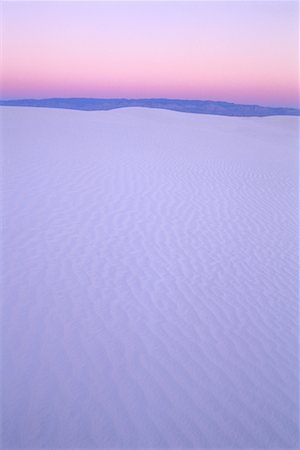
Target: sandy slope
[150, 280]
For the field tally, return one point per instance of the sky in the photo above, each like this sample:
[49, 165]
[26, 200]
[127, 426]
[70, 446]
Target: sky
[239, 51]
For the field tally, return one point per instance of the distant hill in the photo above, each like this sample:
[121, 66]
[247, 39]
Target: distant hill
[191, 106]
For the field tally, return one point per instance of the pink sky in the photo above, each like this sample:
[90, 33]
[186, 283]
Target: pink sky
[238, 51]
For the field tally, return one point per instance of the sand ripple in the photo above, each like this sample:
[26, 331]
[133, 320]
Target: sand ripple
[150, 286]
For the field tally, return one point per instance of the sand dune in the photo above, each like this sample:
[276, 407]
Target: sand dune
[150, 280]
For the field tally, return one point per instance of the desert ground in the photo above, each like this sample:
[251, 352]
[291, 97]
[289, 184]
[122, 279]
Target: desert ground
[149, 280]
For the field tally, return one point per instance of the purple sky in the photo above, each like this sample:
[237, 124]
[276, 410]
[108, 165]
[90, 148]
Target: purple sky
[241, 51]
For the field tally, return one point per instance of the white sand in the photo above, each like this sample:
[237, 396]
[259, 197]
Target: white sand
[150, 285]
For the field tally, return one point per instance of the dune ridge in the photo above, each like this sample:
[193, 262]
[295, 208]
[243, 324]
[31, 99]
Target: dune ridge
[150, 280]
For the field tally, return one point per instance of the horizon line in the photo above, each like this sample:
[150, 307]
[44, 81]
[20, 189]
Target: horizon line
[148, 98]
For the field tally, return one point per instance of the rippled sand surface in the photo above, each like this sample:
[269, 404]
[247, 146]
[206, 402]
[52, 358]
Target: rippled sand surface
[150, 280]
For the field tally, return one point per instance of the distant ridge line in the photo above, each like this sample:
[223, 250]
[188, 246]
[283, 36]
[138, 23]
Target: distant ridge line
[191, 106]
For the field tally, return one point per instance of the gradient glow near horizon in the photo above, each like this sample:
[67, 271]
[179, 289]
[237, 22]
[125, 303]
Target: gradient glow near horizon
[244, 52]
